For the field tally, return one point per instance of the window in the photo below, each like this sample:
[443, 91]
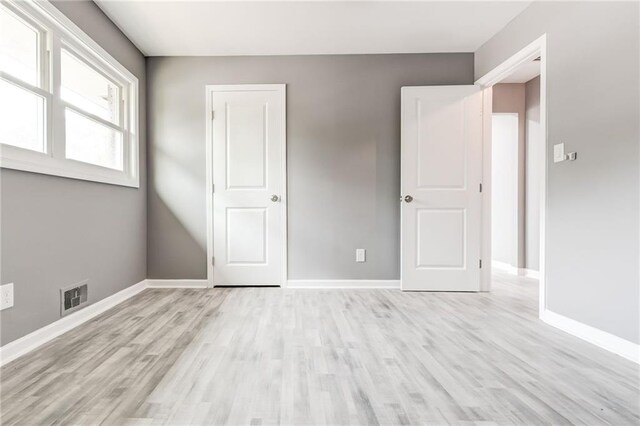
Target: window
[22, 109]
[92, 117]
[19, 47]
[67, 108]
[87, 89]
[92, 142]
[22, 117]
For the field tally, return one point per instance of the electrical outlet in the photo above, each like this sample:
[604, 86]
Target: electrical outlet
[6, 296]
[361, 255]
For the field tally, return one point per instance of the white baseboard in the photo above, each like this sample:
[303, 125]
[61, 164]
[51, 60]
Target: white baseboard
[509, 269]
[25, 344]
[177, 283]
[31, 341]
[380, 284]
[21, 346]
[503, 266]
[607, 341]
[531, 273]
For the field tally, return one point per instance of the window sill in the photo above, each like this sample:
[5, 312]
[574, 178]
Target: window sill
[43, 164]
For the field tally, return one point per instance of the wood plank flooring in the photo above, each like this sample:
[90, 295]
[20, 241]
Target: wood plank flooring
[271, 356]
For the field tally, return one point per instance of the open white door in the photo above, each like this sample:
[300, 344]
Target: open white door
[441, 188]
[249, 182]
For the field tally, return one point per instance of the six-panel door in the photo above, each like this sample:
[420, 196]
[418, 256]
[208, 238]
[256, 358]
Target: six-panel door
[249, 182]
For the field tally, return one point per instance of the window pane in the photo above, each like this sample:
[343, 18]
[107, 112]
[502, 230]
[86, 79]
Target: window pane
[87, 89]
[21, 117]
[91, 142]
[18, 48]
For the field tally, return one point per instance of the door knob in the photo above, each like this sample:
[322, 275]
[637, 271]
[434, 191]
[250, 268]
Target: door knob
[275, 198]
[408, 198]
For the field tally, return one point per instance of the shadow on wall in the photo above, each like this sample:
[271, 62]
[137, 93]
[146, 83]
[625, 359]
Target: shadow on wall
[175, 200]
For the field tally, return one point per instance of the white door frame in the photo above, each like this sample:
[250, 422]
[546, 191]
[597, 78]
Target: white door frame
[209, 90]
[537, 48]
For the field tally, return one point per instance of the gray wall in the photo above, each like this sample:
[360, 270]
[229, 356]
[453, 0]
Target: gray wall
[510, 97]
[343, 148]
[57, 231]
[594, 108]
[533, 140]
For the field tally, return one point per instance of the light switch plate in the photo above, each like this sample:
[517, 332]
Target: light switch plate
[6, 296]
[361, 255]
[558, 153]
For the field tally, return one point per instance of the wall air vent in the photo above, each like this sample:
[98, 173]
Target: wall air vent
[73, 298]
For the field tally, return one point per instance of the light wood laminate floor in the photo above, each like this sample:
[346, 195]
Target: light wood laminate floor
[268, 356]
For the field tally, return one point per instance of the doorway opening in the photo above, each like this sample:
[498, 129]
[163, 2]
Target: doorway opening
[514, 158]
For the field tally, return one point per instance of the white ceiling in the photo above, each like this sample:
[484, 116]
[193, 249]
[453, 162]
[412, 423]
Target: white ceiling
[181, 28]
[524, 73]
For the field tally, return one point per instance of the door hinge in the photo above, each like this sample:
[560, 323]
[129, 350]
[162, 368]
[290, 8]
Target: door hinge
[213, 188]
[480, 187]
[213, 260]
[480, 263]
[213, 114]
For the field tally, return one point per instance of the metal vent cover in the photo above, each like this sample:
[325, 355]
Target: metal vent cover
[73, 297]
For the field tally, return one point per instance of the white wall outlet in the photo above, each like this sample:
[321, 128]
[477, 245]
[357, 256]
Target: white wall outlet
[361, 255]
[558, 153]
[6, 296]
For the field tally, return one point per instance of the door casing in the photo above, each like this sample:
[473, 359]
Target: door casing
[537, 48]
[209, 90]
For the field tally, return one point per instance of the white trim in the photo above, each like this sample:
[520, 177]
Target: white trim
[74, 32]
[209, 89]
[527, 54]
[209, 181]
[176, 283]
[39, 337]
[510, 269]
[344, 284]
[62, 32]
[529, 273]
[538, 48]
[72, 169]
[485, 233]
[504, 267]
[602, 339]
[27, 343]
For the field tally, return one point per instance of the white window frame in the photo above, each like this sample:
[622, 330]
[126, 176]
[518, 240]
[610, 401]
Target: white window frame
[58, 32]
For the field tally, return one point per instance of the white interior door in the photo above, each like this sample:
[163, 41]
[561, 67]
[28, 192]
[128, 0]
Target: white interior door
[249, 182]
[441, 177]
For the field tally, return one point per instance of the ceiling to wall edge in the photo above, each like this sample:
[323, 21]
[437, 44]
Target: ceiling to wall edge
[147, 55]
[124, 33]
